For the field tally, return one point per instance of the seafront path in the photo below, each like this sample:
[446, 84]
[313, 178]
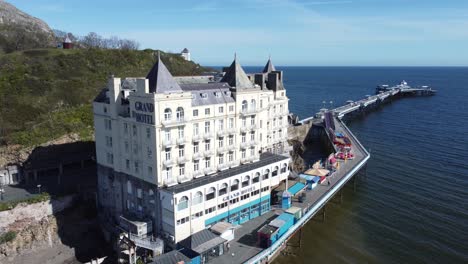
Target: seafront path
[243, 248]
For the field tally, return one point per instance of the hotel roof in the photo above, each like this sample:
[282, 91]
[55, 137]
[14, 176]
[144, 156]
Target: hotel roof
[269, 67]
[265, 159]
[236, 77]
[161, 80]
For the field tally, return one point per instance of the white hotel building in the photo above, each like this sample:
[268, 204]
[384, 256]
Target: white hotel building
[187, 154]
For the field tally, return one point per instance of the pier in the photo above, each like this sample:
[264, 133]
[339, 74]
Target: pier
[243, 249]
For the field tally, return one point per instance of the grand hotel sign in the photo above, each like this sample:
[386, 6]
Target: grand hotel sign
[144, 113]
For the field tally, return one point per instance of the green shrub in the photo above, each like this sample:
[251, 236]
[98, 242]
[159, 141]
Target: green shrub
[7, 237]
[4, 206]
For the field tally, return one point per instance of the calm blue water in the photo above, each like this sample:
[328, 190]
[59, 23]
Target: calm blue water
[413, 206]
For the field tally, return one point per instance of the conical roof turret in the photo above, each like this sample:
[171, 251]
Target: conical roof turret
[236, 77]
[161, 80]
[269, 67]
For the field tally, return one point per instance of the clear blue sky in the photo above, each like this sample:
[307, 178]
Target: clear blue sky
[294, 32]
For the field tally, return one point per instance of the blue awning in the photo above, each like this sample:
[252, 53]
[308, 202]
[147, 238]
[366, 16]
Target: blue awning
[296, 188]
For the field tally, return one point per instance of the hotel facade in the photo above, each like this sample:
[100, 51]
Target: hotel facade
[187, 153]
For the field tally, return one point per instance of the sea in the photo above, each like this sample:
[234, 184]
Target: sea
[412, 204]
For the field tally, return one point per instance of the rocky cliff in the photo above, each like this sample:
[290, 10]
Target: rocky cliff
[19, 31]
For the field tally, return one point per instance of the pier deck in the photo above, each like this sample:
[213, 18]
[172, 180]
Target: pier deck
[244, 248]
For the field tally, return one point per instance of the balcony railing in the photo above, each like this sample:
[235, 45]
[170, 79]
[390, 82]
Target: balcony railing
[168, 142]
[233, 164]
[249, 112]
[224, 166]
[221, 149]
[170, 182]
[175, 122]
[197, 137]
[208, 171]
[231, 131]
[182, 160]
[245, 160]
[208, 135]
[244, 145]
[208, 153]
[169, 162]
[221, 133]
[183, 178]
[198, 174]
[197, 155]
[182, 141]
[231, 147]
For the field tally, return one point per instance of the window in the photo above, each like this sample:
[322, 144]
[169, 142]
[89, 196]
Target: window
[253, 104]
[150, 171]
[207, 162]
[148, 133]
[264, 189]
[149, 152]
[129, 187]
[183, 220]
[275, 172]
[135, 130]
[252, 121]
[256, 192]
[180, 114]
[243, 138]
[231, 108]
[181, 152]
[180, 132]
[182, 170]
[231, 156]
[221, 142]
[108, 124]
[222, 189]
[252, 151]
[196, 129]
[109, 141]
[231, 140]
[204, 95]
[137, 169]
[167, 114]
[168, 154]
[256, 178]
[244, 122]
[196, 147]
[235, 185]
[197, 215]
[210, 194]
[233, 201]
[210, 210]
[207, 111]
[167, 135]
[197, 198]
[207, 145]
[127, 164]
[261, 123]
[284, 168]
[266, 175]
[221, 124]
[243, 154]
[261, 103]
[252, 136]
[221, 109]
[110, 158]
[196, 165]
[168, 173]
[231, 122]
[244, 106]
[245, 181]
[125, 128]
[195, 112]
[183, 203]
[222, 205]
[207, 127]
[221, 159]
[135, 148]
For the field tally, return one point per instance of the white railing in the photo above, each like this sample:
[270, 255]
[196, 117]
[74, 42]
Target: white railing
[221, 133]
[224, 166]
[208, 135]
[197, 137]
[222, 149]
[183, 178]
[182, 160]
[175, 122]
[197, 155]
[231, 147]
[169, 162]
[208, 153]
[249, 112]
[198, 174]
[168, 142]
[209, 171]
[181, 141]
[170, 182]
[231, 131]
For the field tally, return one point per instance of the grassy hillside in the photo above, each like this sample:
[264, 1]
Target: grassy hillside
[47, 93]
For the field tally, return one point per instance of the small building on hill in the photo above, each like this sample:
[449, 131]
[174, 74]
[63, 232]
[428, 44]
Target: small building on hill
[185, 53]
[67, 43]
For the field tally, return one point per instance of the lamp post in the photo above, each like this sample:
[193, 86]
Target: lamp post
[39, 189]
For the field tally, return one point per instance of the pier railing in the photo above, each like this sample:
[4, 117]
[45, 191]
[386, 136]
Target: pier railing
[311, 211]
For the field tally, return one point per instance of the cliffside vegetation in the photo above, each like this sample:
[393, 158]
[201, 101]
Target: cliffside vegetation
[46, 93]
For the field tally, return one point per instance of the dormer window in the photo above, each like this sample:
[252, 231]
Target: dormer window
[228, 93]
[217, 94]
[204, 95]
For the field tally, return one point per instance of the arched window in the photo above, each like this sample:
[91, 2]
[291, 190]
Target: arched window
[275, 172]
[266, 175]
[244, 106]
[129, 187]
[183, 203]
[167, 114]
[235, 185]
[284, 168]
[222, 189]
[253, 104]
[245, 181]
[180, 113]
[210, 194]
[197, 198]
[256, 178]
